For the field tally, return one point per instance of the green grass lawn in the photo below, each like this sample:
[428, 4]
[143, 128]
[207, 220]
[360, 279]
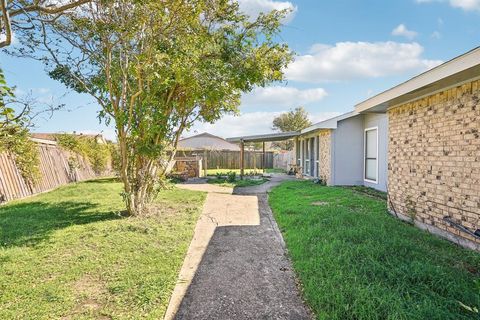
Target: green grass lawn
[355, 261]
[68, 254]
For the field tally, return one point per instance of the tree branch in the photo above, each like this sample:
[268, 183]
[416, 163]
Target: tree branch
[8, 25]
[49, 9]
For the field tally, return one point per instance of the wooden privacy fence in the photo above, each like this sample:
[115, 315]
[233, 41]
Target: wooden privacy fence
[55, 167]
[226, 159]
[284, 160]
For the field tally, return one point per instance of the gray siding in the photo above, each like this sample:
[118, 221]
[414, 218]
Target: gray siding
[379, 120]
[347, 155]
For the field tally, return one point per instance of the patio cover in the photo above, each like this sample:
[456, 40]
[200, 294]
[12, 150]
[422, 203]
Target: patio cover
[260, 138]
[265, 137]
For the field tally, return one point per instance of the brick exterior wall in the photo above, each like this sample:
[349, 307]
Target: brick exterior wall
[325, 158]
[434, 161]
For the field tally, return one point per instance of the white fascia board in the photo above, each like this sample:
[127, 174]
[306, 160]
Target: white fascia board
[465, 67]
[331, 123]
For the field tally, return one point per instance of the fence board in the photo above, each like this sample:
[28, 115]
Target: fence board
[226, 159]
[54, 172]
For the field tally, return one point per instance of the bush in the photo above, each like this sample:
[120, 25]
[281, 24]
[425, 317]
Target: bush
[98, 155]
[231, 176]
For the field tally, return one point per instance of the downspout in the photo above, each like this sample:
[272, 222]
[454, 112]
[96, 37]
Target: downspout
[458, 226]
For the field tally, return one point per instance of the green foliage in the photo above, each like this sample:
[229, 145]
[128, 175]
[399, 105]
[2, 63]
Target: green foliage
[15, 137]
[294, 120]
[17, 142]
[224, 172]
[228, 178]
[69, 253]
[157, 67]
[232, 176]
[98, 154]
[114, 156]
[355, 261]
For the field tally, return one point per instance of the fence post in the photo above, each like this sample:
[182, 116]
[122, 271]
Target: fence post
[242, 158]
[205, 162]
[263, 156]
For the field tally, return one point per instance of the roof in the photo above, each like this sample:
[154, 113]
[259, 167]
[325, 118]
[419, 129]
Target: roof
[52, 136]
[330, 123]
[326, 124]
[265, 137]
[206, 141]
[453, 72]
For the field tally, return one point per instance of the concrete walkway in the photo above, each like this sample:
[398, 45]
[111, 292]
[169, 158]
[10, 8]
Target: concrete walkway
[236, 267]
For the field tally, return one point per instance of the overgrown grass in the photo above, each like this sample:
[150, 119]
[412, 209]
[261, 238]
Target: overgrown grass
[68, 254]
[214, 172]
[357, 262]
[246, 182]
[276, 170]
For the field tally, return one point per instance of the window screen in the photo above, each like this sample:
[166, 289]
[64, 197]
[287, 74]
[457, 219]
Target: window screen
[371, 154]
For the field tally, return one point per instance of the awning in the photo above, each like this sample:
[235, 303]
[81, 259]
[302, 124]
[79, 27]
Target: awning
[265, 137]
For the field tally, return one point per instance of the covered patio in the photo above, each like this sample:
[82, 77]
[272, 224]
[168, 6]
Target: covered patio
[272, 137]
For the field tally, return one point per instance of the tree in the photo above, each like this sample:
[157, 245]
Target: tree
[15, 124]
[156, 67]
[20, 14]
[294, 120]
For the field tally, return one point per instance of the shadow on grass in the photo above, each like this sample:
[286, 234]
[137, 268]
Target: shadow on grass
[103, 180]
[32, 222]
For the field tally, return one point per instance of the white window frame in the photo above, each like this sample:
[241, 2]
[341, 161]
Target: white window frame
[365, 156]
[308, 154]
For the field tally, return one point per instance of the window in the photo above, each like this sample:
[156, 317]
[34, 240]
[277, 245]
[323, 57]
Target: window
[371, 154]
[307, 156]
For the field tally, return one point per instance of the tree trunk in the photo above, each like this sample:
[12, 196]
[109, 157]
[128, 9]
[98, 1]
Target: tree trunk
[141, 184]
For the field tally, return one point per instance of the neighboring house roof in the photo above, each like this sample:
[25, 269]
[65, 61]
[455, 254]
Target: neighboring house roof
[279, 136]
[331, 123]
[451, 73]
[52, 136]
[206, 141]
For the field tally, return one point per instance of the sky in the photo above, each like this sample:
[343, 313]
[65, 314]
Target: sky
[345, 52]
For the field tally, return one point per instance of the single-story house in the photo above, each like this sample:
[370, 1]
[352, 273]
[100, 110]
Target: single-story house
[418, 141]
[350, 149]
[434, 148]
[206, 141]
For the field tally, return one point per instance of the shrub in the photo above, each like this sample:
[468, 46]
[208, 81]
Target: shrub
[231, 176]
[97, 154]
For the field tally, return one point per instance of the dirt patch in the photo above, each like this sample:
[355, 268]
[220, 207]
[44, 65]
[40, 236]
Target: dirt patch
[90, 293]
[319, 203]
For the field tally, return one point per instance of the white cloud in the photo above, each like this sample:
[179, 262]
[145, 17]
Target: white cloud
[356, 60]
[402, 30]
[467, 5]
[436, 35]
[254, 7]
[250, 123]
[282, 97]
[14, 40]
